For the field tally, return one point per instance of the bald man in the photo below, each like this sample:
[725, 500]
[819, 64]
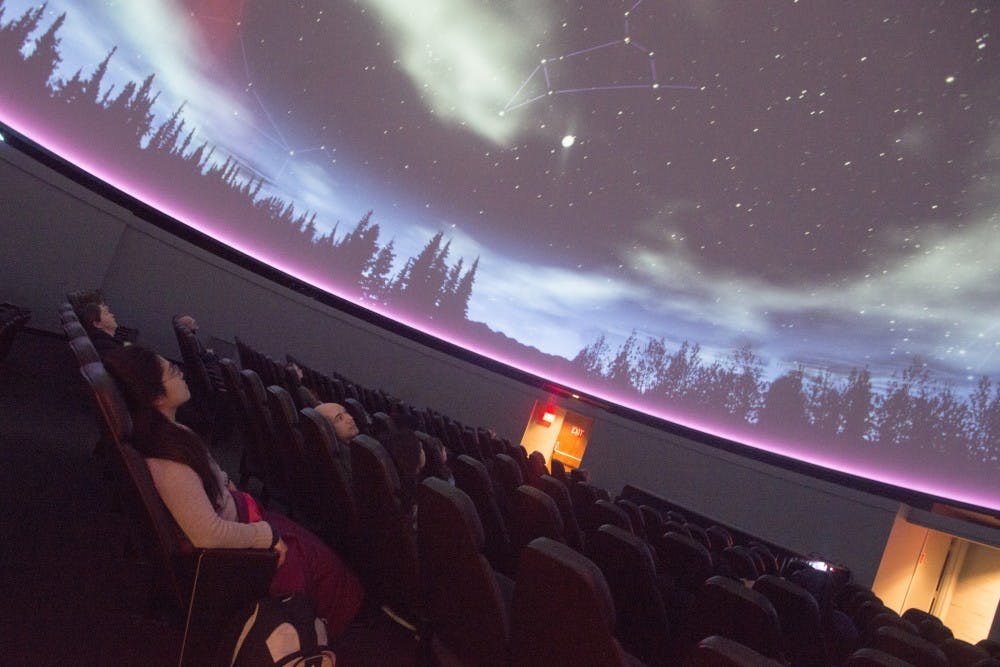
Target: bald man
[341, 420]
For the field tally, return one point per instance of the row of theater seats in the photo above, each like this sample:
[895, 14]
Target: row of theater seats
[654, 558]
[593, 576]
[12, 320]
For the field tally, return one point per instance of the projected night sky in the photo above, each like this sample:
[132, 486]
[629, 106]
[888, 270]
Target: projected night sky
[812, 183]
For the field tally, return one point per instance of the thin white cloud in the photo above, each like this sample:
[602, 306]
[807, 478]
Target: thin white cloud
[466, 58]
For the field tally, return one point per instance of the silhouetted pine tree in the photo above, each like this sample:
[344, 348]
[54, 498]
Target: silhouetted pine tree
[592, 358]
[463, 292]
[825, 405]
[375, 282]
[424, 278]
[43, 60]
[856, 405]
[620, 370]
[683, 368]
[14, 35]
[984, 430]
[784, 405]
[356, 251]
[651, 366]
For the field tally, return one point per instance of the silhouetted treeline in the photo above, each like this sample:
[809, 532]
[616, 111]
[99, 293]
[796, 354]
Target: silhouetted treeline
[914, 414]
[121, 123]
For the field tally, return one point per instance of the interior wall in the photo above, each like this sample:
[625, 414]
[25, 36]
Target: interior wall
[60, 237]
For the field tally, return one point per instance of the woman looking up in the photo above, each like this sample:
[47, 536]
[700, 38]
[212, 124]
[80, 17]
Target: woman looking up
[207, 507]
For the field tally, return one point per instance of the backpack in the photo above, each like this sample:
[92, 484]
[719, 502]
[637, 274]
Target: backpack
[278, 631]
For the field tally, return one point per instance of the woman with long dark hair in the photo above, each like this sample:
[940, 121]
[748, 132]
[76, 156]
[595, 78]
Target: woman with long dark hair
[207, 507]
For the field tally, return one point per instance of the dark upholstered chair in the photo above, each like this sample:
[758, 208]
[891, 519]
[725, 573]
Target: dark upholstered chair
[337, 508]
[562, 613]
[699, 534]
[653, 521]
[254, 463]
[869, 657]
[686, 564]
[204, 587]
[799, 617]
[389, 549]
[628, 567]
[728, 608]
[738, 562]
[463, 598]
[508, 477]
[560, 494]
[718, 538]
[278, 478]
[911, 648]
[559, 470]
[536, 516]
[73, 329]
[84, 350]
[472, 477]
[291, 449]
[716, 651]
[606, 512]
[584, 496]
[961, 653]
[635, 517]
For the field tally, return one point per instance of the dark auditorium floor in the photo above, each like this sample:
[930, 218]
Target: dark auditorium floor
[68, 595]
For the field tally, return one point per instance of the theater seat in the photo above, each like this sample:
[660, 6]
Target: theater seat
[606, 512]
[389, 549]
[339, 511]
[463, 598]
[869, 657]
[628, 567]
[911, 648]
[726, 607]
[560, 494]
[472, 477]
[536, 516]
[562, 613]
[716, 651]
[800, 619]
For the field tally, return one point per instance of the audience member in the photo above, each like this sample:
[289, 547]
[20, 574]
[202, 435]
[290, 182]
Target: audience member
[208, 508]
[341, 420]
[100, 324]
[207, 355]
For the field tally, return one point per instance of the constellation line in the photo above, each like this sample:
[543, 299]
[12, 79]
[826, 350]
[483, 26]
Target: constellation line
[626, 40]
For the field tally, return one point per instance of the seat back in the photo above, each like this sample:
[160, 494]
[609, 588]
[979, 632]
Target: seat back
[800, 619]
[330, 465]
[84, 350]
[606, 512]
[110, 403]
[728, 608]
[462, 598]
[389, 559]
[536, 516]
[472, 477]
[261, 420]
[560, 494]
[635, 517]
[628, 567]
[911, 648]
[716, 651]
[291, 448]
[558, 592]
